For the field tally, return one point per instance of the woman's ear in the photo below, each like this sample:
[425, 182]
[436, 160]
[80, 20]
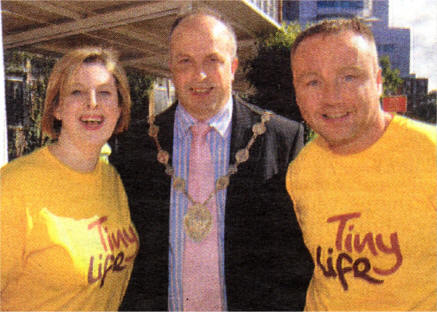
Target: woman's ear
[57, 111]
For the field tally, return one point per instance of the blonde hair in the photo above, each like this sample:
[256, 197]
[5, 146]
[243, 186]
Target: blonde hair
[66, 67]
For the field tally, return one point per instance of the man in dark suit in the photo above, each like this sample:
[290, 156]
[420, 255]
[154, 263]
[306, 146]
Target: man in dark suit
[262, 261]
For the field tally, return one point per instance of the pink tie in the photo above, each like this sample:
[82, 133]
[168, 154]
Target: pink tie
[201, 281]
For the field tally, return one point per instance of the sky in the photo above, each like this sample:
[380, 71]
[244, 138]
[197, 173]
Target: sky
[421, 17]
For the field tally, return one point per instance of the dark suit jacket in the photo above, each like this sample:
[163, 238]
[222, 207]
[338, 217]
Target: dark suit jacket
[267, 266]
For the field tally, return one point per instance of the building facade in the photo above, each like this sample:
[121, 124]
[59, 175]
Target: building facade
[393, 42]
[416, 89]
[272, 8]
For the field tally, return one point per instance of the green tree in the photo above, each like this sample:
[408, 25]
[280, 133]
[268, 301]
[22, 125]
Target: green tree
[269, 73]
[34, 70]
[392, 81]
[140, 85]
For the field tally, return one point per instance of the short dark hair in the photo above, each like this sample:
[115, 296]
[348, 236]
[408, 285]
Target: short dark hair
[333, 26]
[202, 11]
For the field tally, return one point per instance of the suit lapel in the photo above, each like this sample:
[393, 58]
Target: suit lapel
[241, 128]
[165, 121]
[242, 121]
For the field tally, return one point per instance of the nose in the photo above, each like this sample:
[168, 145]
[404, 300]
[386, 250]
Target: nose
[92, 99]
[332, 93]
[200, 73]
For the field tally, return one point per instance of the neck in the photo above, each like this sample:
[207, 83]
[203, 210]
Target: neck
[80, 160]
[363, 143]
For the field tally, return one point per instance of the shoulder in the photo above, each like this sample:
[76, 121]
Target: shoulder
[307, 166]
[25, 174]
[417, 130]
[110, 175]
[312, 153]
[167, 115]
[109, 170]
[277, 123]
[412, 141]
[107, 167]
[24, 166]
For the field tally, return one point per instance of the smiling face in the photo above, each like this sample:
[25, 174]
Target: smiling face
[203, 65]
[338, 84]
[88, 108]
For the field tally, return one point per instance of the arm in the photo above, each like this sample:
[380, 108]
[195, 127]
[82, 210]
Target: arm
[14, 221]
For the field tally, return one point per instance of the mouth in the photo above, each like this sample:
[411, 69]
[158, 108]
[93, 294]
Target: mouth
[336, 116]
[201, 91]
[91, 120]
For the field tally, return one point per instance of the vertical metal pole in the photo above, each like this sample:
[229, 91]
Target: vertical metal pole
[3, 120]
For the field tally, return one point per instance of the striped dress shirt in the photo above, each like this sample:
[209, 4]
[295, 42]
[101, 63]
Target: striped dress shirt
[219, 139]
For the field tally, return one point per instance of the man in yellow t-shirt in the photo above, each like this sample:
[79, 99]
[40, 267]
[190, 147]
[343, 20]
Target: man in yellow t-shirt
[365, 188]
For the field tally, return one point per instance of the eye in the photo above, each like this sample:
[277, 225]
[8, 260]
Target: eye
[349, 78]
[313, 83]
[216, 59]
[184, 60]
[76, 92]
[105, 92]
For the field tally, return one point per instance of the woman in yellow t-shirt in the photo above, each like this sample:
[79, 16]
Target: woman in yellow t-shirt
[67, 240]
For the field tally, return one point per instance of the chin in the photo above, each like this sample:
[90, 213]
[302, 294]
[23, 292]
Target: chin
[95, 142]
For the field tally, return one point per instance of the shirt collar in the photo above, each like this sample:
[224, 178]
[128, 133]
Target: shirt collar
[220, 122]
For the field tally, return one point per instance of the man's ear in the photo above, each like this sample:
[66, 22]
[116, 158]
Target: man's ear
[234, 67]
[380, 81]
[169, 63]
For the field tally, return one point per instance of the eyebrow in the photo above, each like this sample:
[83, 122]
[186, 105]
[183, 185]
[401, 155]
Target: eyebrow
[307, 75]
[182, 55]
[212, 54]
[341, 70]
[348, 68]
[80, 84]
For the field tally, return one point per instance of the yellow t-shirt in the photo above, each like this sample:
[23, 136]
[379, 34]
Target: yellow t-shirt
[67, 240]
[369, 221]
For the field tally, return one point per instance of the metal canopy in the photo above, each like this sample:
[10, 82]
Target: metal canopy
[139, 30]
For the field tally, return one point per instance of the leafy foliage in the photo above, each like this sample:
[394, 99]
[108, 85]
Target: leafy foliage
[392, 81]
[140, 84]
[25, 135]
[269, 73]
[424, 110]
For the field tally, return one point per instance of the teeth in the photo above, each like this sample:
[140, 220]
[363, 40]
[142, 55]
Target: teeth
[93, 119]
[334, 116]
[201, 90]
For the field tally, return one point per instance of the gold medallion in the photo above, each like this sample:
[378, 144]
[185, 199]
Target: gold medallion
[198, 222]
